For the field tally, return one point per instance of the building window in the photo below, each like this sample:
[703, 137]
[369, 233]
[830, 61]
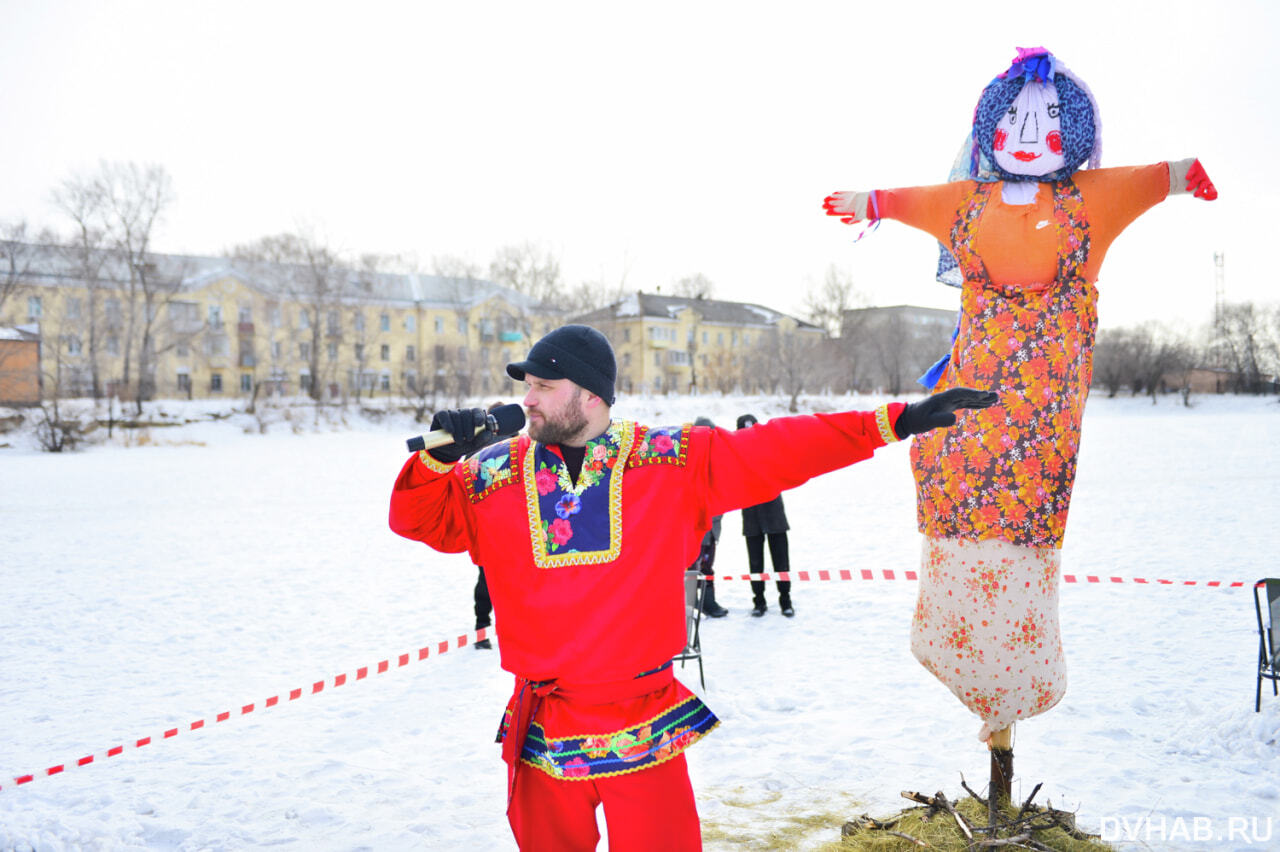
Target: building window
[113, 345]
[409, 323]
[273, 315]
[304, 351]
[34, 308]
[385, 382]
[359, 351]
[245, 316]
[215, 383]
[111, 310]
[386, 352]
[182, 350]
[304, 319]
[626, 335]
[626, 359]
[657, 359]
[73, 345]
[277, 350]
[705, 335]
[410, 354]
[246, 382]
[462, 325]
[184, 382]
[720, 338]
[331, 322]
[357, 321]
[439, 325]
[331, 350]
[304, 382]
[215, 316]
[384, 322]
[73, 308]
[735, 339]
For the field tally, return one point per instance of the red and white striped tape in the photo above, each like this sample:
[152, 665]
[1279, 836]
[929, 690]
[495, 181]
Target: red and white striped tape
[866, 574]
[381, 667]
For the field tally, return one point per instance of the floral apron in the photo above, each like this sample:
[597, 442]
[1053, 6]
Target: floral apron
[993, 492]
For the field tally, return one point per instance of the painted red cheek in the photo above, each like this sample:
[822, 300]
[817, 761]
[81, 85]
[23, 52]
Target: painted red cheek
[1055, 141]
[1001, 136]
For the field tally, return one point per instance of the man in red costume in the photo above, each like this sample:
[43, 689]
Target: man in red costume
[585, 527]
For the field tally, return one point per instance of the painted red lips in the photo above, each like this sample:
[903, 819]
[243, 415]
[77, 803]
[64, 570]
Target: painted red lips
[1025, 156]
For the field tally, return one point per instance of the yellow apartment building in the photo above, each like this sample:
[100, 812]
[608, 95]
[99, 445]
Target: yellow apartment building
[206, 327]
[674, 344]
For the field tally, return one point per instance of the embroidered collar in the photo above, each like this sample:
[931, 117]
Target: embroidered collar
[577, 524]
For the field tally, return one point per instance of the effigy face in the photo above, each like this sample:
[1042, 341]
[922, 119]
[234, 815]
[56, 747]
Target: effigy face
[1028, 138]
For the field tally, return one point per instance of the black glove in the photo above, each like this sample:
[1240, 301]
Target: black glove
[461, 423]
[939, 410]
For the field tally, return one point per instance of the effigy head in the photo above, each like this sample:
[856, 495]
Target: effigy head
[1035, 121]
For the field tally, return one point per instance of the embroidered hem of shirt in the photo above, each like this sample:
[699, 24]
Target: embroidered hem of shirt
[631, 749]
[886, 428]
[623, 432]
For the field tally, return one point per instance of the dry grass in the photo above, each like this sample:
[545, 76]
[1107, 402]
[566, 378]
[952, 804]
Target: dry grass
[940, 831]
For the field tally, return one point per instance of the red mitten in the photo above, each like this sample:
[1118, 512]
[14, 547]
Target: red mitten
[1198, 182]
[851, 207]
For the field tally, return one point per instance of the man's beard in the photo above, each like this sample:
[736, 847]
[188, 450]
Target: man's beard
[570, 423]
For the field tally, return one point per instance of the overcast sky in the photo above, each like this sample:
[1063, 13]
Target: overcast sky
[641, 142]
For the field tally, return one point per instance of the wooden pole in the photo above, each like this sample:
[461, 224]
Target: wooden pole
[1001, 764]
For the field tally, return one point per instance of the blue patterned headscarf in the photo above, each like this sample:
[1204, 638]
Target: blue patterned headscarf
[1081, 127]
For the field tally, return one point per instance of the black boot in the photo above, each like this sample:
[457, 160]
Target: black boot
[710, 608]
[760, 607]
[784, 603]
[482, 644]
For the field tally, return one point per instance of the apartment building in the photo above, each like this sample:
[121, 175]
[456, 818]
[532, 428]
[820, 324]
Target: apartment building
[674, 344]
[208, 327]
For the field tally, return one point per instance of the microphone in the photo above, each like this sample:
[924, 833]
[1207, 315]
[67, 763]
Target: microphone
[504, 421]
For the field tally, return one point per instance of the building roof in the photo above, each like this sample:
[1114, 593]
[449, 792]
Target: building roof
[54, 266]
[20, 332]
[657, 306]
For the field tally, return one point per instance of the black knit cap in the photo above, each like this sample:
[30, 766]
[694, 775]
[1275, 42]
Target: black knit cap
[578, 353]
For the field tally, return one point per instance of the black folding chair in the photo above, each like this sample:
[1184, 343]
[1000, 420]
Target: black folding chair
[693, 587]
[1268, 637]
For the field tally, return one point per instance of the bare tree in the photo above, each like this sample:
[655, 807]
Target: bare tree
[826, 304]
[695, 286]
[455, 368]
[305, 270]
[1247, 337]
[1116, 359]
[122, 204]
[81, 201]
[529, 270]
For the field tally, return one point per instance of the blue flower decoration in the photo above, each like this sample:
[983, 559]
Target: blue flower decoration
[569, 504]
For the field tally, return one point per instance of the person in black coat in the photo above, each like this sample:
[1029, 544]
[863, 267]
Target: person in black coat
[761, 522]
[707, 557]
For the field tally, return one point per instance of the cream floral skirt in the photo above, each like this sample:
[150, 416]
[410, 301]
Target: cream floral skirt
[986, 625]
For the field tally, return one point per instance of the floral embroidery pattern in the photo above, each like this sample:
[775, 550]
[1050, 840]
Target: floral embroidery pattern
[619, 752]
[986, 626]
[666, 444]
[489, 470]
[1007, 471]
[577, 523]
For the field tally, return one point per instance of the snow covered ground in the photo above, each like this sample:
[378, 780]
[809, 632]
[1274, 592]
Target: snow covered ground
[144, 588]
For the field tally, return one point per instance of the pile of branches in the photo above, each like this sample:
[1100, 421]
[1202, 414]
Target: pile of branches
[1030, 827]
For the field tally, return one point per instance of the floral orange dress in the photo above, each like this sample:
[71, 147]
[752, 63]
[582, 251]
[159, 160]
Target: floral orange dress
[993, 492]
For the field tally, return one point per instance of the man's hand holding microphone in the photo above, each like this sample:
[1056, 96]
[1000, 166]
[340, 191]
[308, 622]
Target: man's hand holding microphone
[459, 432]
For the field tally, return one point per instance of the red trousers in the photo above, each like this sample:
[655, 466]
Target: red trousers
[652, 809]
